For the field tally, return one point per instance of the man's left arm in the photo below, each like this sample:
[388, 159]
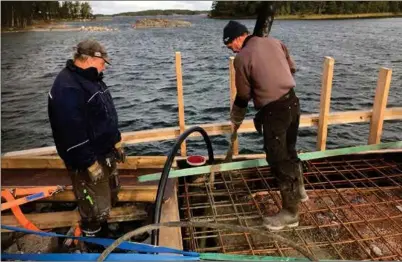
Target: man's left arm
[243, 96]
[119, 149]
[290, 60]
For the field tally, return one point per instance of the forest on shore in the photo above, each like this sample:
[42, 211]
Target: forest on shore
[245, 9]
[21, 14]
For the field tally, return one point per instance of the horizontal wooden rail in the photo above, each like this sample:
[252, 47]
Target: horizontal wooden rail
[55, 162]
[214, 129]
[132, 163]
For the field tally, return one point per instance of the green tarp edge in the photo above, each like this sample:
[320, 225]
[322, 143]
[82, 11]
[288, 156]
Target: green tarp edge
[262, 162]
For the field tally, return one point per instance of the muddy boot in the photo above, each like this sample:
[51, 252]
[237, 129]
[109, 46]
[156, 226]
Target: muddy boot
[302, 191]
[92, 230]
[288, 216]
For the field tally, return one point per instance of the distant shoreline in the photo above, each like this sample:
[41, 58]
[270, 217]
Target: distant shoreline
[58, 26]
[41, 26]
[321, 17]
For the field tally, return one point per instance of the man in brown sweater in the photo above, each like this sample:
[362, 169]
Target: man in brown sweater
[264, 73]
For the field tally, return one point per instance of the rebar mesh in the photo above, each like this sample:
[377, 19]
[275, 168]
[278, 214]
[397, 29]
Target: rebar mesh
[354, 211]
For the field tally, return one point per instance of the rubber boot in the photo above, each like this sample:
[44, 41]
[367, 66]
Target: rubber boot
[288, 216]
[92, 230]
[302, 191]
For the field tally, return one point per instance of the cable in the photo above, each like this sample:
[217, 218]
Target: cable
[166, 170]
[231, 227]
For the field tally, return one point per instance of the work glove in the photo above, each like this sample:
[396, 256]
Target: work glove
[95, 172]
[237, 115]
[119, 153]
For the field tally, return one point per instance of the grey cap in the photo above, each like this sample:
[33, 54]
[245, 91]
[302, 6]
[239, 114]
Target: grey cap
[92, 48]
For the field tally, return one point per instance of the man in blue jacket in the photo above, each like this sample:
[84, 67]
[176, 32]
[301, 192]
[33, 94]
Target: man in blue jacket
[84, 124]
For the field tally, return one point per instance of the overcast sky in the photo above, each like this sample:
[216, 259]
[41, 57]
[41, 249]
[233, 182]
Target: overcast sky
[114, 7]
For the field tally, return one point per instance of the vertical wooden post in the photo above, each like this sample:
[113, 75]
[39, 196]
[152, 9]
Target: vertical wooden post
[232, 85]
[380, 104]
[180, 101]
[325, 101]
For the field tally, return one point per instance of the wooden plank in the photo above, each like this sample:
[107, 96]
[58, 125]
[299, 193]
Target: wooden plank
[393, 113]
[55, 162]
[213, 129]
[326, 87]
[139, 192]
[180, 102]
[171, 237]
[70, 218]
[146, 194]
[33, 152]
[380, 104]
[125, 195]
[233, 91]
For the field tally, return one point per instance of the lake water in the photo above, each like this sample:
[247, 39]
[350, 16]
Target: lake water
[143, 84]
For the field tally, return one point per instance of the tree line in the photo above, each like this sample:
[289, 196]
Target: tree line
[249, 8]
[19, 14]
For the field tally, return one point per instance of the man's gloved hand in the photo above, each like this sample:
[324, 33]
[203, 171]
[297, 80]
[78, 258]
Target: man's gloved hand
[237, 116]
[119, 153]
[95, 171]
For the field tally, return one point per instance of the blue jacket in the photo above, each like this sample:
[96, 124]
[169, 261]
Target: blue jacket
[82, 116]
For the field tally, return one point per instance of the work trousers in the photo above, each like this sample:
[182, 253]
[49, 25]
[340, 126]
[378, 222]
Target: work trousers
[278, 122]
[95, 199]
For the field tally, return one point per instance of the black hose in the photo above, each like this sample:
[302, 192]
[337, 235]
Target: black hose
[265, 18]
[231, 227]
[166, 170]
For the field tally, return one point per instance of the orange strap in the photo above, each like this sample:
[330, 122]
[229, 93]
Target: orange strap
[17, 212]
[77, 233]
[34, 190]
[33, 195]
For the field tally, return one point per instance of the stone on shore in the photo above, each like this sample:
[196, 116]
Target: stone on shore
[161, 23]
[97, 28]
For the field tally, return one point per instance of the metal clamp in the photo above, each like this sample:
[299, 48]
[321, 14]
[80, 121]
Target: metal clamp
[57, 190]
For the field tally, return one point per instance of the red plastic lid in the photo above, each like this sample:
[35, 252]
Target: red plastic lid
[196, 160]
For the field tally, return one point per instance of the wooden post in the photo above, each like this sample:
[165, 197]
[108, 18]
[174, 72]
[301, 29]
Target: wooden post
[232, 85]
[180, 101]
[325, 101]
[380, 104]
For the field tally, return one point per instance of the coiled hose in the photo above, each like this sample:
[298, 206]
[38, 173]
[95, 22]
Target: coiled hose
[166, 170]
[231, 227]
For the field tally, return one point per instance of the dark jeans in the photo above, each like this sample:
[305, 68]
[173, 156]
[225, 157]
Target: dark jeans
[279, 123]
[95, 199]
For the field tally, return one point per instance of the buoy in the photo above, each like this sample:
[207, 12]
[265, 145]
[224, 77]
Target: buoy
[196, 160]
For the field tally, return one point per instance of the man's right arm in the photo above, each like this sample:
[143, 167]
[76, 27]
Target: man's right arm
[71, 107]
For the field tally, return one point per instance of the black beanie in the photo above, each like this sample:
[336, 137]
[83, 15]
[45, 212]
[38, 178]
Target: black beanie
[232, 30]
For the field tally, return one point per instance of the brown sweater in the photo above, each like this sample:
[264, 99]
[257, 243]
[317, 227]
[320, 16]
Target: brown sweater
[263, 71]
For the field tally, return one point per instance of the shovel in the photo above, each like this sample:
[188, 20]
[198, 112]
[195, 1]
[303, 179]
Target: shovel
[229, 153]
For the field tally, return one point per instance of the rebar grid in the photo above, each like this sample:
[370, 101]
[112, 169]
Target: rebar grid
[354, 211]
